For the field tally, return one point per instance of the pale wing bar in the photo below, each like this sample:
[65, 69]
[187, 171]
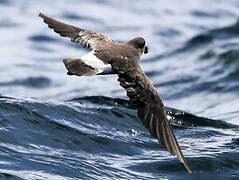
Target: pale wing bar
[86, 38]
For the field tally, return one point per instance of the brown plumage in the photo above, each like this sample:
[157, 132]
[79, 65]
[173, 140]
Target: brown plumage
[86, 38]
[124, 58]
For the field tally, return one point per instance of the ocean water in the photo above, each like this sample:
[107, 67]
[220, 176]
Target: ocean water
[53, 126]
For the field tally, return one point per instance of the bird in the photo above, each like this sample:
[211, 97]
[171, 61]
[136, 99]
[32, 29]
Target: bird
[110, 57]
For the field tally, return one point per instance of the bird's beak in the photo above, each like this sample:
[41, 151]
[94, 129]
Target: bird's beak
[146, 49]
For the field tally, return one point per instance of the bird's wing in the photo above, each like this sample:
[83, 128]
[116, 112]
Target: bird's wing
[86, 38]
[145, 98]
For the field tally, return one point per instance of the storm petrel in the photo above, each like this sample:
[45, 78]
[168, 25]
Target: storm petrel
[110, 57]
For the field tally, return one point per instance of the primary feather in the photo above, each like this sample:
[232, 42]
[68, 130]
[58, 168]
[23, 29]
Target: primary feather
[122, 59]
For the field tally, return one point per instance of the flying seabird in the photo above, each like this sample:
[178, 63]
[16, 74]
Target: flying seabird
[110, 57]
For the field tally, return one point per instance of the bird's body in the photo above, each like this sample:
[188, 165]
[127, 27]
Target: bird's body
[110, 57]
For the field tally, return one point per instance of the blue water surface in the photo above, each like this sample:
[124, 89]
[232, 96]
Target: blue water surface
[53, 126]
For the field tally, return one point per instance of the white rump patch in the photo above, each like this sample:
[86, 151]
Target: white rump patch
[91, 60]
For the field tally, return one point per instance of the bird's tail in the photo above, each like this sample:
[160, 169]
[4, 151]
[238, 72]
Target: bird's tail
[79, 68]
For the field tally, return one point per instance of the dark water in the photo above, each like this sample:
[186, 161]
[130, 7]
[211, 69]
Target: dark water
[53, 126]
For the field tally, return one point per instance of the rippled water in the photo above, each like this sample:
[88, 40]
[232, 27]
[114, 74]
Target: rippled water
[53, 126]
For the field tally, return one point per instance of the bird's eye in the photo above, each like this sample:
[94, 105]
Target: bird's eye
[142, 44]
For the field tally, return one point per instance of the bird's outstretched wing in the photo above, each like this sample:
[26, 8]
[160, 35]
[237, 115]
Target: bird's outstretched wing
[140, 91]
[86, 38]
[145, 98]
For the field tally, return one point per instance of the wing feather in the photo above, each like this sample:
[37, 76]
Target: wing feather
[140, 91]
[88, 39]
[150, 108]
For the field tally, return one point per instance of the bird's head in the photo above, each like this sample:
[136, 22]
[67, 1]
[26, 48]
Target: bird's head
[139, 44]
